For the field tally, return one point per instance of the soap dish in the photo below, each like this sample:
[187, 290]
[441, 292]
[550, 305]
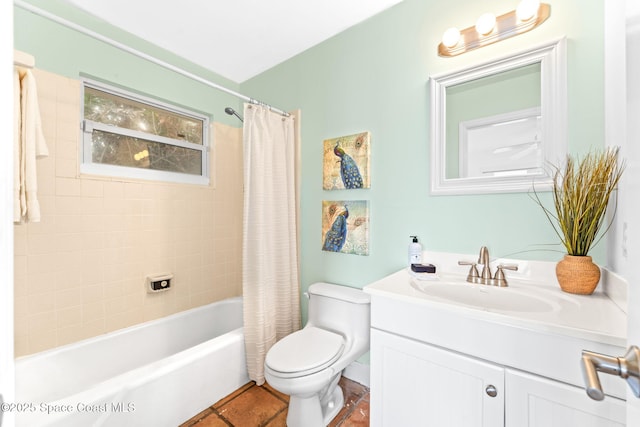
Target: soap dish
[423, 268]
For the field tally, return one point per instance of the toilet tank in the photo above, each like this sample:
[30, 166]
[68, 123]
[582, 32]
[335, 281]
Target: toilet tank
[341, 309]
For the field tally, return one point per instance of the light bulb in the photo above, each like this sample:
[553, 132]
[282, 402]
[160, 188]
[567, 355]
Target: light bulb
[527, 9]
[485, 23]
[451, 37]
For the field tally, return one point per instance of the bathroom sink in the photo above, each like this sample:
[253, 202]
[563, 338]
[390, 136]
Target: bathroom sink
[484, 297]
[532, 300]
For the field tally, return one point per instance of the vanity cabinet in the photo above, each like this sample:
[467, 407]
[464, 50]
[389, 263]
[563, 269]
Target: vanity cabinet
[533, 401]
[490, 359]
[417, 384]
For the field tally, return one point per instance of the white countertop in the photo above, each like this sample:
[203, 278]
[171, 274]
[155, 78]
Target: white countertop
[590, 317]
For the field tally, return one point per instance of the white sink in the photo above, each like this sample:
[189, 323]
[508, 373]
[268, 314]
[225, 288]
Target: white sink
[490, 298]
[532, 300]
[514, 326]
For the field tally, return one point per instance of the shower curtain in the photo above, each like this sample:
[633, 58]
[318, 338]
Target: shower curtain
[270, 281]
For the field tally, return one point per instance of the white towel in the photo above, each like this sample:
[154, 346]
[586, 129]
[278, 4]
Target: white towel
[17, 147]
[32, 146]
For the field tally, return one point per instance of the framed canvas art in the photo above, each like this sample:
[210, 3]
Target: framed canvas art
[345, 226]
[346, 162]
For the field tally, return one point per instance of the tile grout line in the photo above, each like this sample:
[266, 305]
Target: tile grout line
[234, 397]
[226, 421]
[219, 414]
[353, 408]
[273, 394]
[268, 390]
[274, 417]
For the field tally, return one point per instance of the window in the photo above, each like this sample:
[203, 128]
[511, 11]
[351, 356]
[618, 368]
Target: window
[131, 136]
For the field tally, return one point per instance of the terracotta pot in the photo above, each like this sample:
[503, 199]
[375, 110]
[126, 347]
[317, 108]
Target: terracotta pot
[578, 274]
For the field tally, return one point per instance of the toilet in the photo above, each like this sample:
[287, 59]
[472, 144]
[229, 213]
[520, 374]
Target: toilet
[307, 364]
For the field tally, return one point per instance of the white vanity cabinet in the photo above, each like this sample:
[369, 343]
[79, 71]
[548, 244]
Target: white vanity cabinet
[435, 363]
[416, 384]
[534, 401]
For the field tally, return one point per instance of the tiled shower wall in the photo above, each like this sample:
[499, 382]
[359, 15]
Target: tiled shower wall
[81, 271]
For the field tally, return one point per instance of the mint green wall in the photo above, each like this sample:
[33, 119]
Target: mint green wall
[374, 77]
[67, 52]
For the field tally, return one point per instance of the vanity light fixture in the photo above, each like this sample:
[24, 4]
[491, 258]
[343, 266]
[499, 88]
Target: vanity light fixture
[451, 37]
[490, 29]
[485, 24]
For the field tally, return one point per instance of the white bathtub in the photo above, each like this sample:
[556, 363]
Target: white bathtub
[159, 373]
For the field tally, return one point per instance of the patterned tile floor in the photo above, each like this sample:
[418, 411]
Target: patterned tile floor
[254, 406]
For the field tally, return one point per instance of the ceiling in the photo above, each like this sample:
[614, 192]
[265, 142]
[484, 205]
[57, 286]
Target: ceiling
[236, 39]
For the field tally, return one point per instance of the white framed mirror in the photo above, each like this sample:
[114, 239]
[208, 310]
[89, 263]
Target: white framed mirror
[496, 126]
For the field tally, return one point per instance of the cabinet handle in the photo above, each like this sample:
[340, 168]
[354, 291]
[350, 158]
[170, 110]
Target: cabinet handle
[491, 390]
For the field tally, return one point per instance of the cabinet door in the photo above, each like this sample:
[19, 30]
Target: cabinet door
[539, 402]
[415, 384]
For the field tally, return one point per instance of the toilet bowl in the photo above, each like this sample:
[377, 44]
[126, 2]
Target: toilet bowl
[307, 364]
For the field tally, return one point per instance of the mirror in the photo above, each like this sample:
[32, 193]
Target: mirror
[496, 127]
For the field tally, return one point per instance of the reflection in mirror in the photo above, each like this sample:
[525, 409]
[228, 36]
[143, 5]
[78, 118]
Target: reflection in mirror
[486, 109]
[508, 144]
[494, 126]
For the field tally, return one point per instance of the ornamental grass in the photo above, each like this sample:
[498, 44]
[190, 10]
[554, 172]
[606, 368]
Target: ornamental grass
[580, 196]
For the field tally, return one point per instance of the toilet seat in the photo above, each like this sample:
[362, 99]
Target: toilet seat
[304, 352]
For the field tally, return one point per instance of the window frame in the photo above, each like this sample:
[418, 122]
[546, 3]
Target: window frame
[87, 166]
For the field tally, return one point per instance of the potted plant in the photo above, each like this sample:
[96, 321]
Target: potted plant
[580, 196]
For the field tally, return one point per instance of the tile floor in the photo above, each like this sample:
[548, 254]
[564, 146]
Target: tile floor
[254, 406]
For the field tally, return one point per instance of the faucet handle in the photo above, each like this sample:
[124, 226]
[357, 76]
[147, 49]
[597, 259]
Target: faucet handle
[512, 267]
[499, 278]
[473, 271]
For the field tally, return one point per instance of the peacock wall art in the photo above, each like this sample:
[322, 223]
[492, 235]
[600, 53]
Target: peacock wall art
[346, 162]
[345, 226]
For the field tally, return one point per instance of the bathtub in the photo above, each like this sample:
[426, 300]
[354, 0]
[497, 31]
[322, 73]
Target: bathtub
[159, 373]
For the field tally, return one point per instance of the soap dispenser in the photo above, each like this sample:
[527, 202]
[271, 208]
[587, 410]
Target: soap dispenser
[415, 251]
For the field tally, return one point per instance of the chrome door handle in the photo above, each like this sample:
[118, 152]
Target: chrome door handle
[626, 367]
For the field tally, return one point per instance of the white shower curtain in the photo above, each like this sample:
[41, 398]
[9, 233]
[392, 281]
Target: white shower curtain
[270, 281]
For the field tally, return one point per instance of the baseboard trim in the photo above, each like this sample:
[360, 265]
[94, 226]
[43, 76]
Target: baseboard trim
[358, 372]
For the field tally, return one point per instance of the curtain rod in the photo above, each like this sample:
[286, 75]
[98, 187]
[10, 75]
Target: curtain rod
[128, 49]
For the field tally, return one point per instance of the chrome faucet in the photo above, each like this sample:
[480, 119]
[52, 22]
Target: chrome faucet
[485, 278]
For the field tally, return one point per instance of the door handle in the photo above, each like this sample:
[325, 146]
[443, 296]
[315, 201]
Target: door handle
[626, 367]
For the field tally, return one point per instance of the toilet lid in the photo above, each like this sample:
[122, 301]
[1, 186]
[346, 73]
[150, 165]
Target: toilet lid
[305, 352]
